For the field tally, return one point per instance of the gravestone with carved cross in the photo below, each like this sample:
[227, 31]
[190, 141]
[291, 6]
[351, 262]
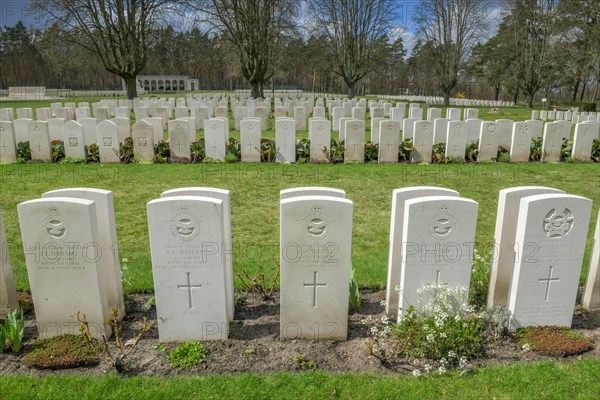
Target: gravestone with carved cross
[186, 239]
[214, 138]
[585, 133]
[319, 134]
[250, 137]
[389, 136]
[550, 245]
[437, 245]
[456, 139]
[488, 141]
[179, 141]
[521, 142]
[355, 141]
[39, 141]
[8, 146]
[440, 130]
[505, 127]
[423, 141]
[552, 142]
[316, 239]
[285, 140]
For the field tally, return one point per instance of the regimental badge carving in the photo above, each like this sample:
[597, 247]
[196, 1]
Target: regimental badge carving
[523, 129]
[178, 127]
[107, 141]
[555, 129]
[443, 225]
[143, 141]
[316, 225]
[185, 226]
[458, 128]
[389, 127]
[586, 131]
[2, 129]
[558, 222]
[36, 128]
[491, 128]
[54, 226]
[73, 142]
[424, 128]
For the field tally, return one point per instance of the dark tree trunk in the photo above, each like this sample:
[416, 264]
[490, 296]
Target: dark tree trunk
[530, 101]
[497, 92]
[351, 90]
[575, 90]
[131, 86]
[256, 91]
[447, 98]
[516, 96]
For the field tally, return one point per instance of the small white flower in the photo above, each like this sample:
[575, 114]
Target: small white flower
[526, 347]
[385, 320]
[428, 368]
[382, 303]
[431, 338]
[125, 260]
[443, 335]
[451, 354]
[374, 330]
[416, 373]
[441, 370]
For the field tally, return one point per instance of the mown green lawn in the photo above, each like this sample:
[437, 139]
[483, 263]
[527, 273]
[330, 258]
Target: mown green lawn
[546, 380]
[255, 202]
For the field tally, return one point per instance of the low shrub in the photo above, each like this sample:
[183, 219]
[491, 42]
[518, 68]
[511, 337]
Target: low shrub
[187, 355]
[556, 341]
[62, 352]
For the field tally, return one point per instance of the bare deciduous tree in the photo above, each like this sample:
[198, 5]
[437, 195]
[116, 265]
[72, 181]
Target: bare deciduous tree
[353, 28]
[452, 27]
[116, 30]
[254, 27]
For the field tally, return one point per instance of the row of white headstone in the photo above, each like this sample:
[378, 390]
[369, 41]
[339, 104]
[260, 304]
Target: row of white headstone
[572, 116]
[539, 248]
[69, 239]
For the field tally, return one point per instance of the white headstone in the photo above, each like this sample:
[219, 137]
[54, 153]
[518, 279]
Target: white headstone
[311, 191]
[8, 293]
[108, 142]
[39, 141]
[21, 129]
[505, 127]
[440, 130]
[316, 240]
[423, 141]
[186, 234]
[408, 128]
[521, 142]
[438, 236]
[354, 141]
[8, 146]
[473, 129]
[251, 135]
[453, 114]
[123, 128]
[550, 238]
[488, 141]
[591, 292]
[320, 140]
[56, 128]
[179, 141]
[503, 261]
[416, 113]
[157, 128]
[582, 141]
[300, 118]
[433, 114]
[399, 196]
[226, 247]
[73, 140]
[337, 113]
[214, 138]
[143, 142]
[358, 113]
[285, 140]
[471, 113]
[552, 142]
[89, 130]
[375, 129]
[60, 238]
[107, 246]
[389, 141]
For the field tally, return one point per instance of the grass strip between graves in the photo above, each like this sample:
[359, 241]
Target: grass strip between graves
[255, 203]
[545, 380]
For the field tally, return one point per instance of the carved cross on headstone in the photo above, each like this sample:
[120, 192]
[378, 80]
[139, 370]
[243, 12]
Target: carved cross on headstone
[388, 145]
[548, 280]
[315, 285]
[521, 144]
[4, 147]
[179, 146]
[39, 147]
[189, 288]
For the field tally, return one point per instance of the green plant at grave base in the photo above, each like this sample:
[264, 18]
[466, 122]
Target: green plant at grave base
[11, 333]
[405, 150]
[259, 283]
[233, 150]
[60, 352]
[444, 329]
[197, 152]
[57, 152]
[497, 320]
[302, 150]
[118, 350]
[126, 151]
[303, 362]
[249, 351]
[535, 151]
[554, 341]
[503, 155]
[355, 297]
[268, 150]
[596, 150]
[92, 153]
[480, 279]
[23, 152]
[371, 152]
[454, 160]
[187, 355]
[162, 152]
[71, 160]
[566, 150]
[438, 153]
[160, 348]
[336, 151]
[472, 151]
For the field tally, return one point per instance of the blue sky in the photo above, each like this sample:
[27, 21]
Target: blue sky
[13, 11]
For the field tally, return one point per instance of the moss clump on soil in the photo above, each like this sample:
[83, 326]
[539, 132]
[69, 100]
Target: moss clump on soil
[62, 352]
[554, 341]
